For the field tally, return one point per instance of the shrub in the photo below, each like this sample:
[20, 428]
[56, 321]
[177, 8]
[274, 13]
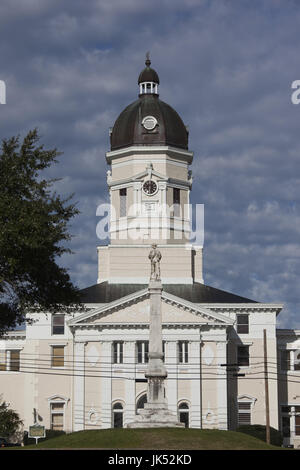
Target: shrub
[10, 423]
[259, 431]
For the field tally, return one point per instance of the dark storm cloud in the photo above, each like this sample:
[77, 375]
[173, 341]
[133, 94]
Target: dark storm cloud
[225, 66]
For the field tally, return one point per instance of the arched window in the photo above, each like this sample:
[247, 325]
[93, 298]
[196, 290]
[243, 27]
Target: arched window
[141, 402]
[117, 415]
[183, 411]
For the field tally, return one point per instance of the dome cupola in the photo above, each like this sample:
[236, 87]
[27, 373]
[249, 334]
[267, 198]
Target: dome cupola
[148, 78]
[148, 120]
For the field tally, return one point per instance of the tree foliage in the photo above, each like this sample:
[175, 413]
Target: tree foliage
[10, 423]
[33, 229]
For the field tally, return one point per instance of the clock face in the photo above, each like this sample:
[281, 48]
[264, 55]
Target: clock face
[149, 123]
[149, 187]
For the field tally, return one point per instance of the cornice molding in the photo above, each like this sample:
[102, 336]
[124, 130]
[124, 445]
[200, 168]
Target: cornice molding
[143, 325]
[153, 150]
[20, 335]
[236, 307]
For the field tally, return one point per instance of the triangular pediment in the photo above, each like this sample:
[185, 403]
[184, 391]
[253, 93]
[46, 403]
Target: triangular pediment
[135, 309]
[143, 174]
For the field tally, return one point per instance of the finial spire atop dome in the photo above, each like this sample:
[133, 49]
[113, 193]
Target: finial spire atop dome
[148, 79]
[148, 61]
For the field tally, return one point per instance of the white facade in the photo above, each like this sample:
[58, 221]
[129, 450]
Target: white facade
[104, 364]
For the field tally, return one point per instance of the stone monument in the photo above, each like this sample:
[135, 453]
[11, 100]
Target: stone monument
[155, 412]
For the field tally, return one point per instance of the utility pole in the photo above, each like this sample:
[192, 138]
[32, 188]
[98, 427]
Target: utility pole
[266, 389]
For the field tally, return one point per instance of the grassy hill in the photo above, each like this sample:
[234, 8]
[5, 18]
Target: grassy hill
[162, 438]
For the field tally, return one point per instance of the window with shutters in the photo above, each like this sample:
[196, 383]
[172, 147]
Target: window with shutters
[57, 416]
[244, 413]
[10, 360]
[14, 360]
[58, 356]
[2, 359]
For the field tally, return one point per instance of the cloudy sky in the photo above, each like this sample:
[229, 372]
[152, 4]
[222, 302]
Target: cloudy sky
[225, 65]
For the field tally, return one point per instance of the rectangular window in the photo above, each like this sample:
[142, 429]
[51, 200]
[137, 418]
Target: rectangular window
[14, 364]
[183, 352]
[10, 360]
[242, 324]
[176, 202]
[58, 324]
[142, 351]
[58, 356]
[297, 425]
[296, 360]
[244, 413]
[118, 352]
[286, 426]
[123, 202]
[2, 360]
[57, 416]
[243, 355]
[285, 360]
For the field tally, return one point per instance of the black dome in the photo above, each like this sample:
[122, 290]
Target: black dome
[128, 129]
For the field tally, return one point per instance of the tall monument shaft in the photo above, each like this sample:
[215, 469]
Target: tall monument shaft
[156, 372]
[155, 412]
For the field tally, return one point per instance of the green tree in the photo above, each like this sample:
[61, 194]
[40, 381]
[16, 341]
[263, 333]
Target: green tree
[33, 229]
[10, 423]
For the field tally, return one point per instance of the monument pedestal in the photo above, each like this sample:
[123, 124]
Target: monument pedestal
[155, 418]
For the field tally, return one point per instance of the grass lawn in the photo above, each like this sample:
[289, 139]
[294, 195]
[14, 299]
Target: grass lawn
[162, 438]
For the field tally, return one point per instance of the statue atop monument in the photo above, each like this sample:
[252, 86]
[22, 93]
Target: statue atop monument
[155, 257]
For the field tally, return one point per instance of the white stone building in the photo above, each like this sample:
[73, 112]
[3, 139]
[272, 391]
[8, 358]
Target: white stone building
[87, 371]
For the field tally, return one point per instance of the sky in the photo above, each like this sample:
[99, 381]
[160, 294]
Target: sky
[226, 66]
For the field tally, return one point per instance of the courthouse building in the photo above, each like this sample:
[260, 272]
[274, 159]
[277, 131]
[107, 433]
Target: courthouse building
[87, 370]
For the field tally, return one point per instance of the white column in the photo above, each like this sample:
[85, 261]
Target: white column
[129, 365]
[79, 399]
[106, 389]
[222, 385]
[292, 364]
[195, 418]
[171, 365]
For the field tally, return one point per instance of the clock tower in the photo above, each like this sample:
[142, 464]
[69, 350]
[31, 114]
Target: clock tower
[149, 183]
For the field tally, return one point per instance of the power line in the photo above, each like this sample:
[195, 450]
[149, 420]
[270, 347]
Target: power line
[62, 372]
